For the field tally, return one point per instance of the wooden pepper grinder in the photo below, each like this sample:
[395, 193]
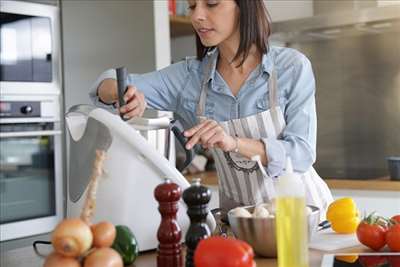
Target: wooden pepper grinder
[169, 253]
[196, 198]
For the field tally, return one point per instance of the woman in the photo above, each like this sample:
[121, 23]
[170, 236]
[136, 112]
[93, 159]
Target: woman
[240, 98]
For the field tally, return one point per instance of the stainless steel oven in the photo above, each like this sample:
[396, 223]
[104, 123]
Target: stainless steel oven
[31, 184]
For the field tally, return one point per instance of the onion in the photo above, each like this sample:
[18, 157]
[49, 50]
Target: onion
[57, 260]
[72, 237]
[103, 234]
[103, 257]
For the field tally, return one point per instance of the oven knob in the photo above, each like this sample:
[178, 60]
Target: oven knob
[26, 109]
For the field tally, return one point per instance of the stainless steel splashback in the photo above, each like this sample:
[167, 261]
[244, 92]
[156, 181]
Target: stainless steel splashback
[358, 103]
[338, 23]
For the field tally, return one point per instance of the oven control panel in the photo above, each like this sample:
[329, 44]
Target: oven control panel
[20, 109]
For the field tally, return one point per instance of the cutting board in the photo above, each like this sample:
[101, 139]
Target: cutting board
[328, 240]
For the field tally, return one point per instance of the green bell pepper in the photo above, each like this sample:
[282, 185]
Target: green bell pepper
[126, 244]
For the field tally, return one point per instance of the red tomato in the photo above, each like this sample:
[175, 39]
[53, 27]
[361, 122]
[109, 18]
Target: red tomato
[393, 238]
[396, 218]
[246, 247]
[371, 235]
[223, 252]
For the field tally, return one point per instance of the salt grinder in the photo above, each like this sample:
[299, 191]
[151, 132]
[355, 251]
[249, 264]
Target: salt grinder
[196, 198]
[169, 252]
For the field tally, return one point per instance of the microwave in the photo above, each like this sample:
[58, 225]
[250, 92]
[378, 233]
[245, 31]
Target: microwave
[29, 48]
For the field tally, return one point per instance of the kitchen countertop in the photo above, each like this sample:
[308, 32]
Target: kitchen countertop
[379, 184]
[27, 257]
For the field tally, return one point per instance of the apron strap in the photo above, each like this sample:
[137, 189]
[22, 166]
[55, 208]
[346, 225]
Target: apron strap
[268, 181]
[273, 99]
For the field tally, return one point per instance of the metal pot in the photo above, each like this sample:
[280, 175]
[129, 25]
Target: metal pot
[260, 232]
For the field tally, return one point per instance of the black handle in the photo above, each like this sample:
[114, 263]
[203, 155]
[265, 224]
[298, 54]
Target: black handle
[121, 83]
[177, 129]
[324, 225]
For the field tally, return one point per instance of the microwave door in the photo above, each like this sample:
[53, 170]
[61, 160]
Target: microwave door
[26, 48]
[16, 51]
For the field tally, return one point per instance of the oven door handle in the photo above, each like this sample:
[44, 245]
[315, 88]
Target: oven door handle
[30, 133]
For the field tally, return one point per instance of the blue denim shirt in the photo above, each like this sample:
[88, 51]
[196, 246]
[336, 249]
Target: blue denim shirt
[177, 88]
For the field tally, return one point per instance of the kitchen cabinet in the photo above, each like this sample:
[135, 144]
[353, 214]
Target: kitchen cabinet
[180, 26]
[182, 38]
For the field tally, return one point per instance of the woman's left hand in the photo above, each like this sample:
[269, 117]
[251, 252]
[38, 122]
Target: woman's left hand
[210, 134]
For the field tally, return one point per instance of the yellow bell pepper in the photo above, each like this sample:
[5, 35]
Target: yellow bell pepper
[347, 258]
[343, 215]
[347, 226]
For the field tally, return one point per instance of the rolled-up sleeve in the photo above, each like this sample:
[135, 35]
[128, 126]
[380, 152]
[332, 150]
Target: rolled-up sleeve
[298, 139]
[161, 88]
[108, 74]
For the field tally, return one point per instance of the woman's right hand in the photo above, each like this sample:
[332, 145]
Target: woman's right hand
[134, 99]
[135, 103]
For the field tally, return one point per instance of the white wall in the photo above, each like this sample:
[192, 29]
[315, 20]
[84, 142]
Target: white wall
[98, 35]
[161, 34]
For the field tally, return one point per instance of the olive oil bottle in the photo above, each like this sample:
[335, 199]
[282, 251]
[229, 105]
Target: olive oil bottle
[291, 220]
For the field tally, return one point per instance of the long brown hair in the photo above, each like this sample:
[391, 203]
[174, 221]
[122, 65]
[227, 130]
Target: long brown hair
[255, 28]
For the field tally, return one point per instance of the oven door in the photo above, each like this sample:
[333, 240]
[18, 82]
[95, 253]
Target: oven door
[30, 179]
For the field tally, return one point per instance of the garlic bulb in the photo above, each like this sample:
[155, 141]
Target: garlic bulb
[241, 212]
[260, 212]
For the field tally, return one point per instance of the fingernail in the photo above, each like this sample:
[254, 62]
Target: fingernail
[126, 117]
[187, 146]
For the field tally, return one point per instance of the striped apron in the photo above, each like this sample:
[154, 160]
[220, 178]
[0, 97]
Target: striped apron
[245, 182]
